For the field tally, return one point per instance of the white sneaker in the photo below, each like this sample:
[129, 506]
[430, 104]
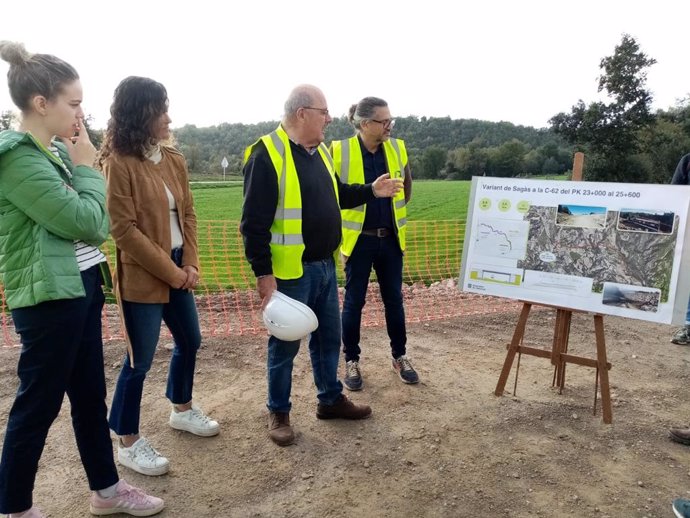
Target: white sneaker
[194, 421]
[34, 512]
[142, 458]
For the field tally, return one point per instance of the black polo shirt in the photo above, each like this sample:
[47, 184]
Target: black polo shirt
[321, 222]
[379, 212]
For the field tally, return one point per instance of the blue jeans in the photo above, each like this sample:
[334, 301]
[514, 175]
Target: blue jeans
[143, 323]
[687, 314]
[384, 255]
[318, 289]
[62, 352]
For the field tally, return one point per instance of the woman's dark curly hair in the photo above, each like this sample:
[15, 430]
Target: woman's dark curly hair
[137, 104]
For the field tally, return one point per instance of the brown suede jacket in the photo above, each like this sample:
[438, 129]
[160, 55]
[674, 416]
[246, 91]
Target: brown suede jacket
[140, 223]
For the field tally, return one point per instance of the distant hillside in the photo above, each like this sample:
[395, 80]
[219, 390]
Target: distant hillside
[206, 147]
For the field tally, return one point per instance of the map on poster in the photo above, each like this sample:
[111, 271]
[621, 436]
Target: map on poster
[606, 248]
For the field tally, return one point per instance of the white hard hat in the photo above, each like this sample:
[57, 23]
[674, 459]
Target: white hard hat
[288, 319]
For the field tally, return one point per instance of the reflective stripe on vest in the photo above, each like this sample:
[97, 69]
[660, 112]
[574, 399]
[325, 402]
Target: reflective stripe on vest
[287, 243]
[347, 155]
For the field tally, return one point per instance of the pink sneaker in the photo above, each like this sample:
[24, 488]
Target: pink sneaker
[128, 500]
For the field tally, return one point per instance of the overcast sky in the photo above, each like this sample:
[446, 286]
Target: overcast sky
[236, 61]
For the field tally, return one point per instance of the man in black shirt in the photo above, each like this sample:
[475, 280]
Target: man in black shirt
[681, 176]
[374, 234]
[291, 228]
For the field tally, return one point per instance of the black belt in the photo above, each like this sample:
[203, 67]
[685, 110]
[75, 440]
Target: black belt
[378, 232]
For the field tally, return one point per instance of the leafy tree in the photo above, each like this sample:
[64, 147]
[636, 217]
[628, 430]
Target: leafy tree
[6, 119]
[551, 166]
[193, 155]
[533, 162]
[609, 133]
[664, 143]
[415, 163]
[433, 160]
[681, 115]
[468, 161]
[95, 135]
[507, 159]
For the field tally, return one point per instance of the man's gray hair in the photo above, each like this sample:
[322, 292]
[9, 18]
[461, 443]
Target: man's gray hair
[364, 110]
[300, 97]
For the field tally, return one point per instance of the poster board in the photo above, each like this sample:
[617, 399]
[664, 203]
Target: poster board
[608, 248]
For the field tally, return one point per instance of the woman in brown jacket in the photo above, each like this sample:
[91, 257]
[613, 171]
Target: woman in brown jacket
[154, 227]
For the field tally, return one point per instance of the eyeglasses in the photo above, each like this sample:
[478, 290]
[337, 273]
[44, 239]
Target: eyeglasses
[323, 111]
[386, 123]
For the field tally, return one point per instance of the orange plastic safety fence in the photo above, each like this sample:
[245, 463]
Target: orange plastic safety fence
[229, 305]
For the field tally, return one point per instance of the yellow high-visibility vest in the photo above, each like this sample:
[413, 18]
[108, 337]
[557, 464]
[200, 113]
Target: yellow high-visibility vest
[287, 244]
[347, 159]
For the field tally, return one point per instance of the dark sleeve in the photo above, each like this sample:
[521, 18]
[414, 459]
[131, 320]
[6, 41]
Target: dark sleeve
[354, 195]
[680, 177]
[258, 210]
[407, 183]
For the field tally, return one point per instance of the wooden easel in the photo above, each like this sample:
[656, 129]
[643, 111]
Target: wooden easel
[559, 356]
[559, 347]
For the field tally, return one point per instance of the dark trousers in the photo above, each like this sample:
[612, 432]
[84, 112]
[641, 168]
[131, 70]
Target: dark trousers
[384, 255]
[143, 321]
[62, 352]
[318, 289]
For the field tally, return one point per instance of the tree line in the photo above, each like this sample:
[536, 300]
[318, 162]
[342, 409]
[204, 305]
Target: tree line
[623, 140]
[439, 147]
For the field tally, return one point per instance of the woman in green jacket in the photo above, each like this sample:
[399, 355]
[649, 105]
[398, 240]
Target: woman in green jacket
[52, 219]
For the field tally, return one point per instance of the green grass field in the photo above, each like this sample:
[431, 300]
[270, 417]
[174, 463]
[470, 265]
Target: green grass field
[431, 201]
[436, 230]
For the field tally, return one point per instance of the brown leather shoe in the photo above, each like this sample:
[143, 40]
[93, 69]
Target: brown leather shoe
[279, 428]
[343, 409]
[681, 435]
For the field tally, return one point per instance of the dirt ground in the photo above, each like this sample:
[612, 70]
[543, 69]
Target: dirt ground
[445, 447]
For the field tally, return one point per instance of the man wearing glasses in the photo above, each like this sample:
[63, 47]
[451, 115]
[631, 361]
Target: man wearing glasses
[374, 234]
[292, 228]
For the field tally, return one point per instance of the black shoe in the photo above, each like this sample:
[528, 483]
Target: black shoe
[353, 376]
[343, 409]
[403, 367]
[681, 435]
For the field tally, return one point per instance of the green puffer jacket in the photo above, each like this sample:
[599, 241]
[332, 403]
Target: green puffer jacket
[42, 212]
